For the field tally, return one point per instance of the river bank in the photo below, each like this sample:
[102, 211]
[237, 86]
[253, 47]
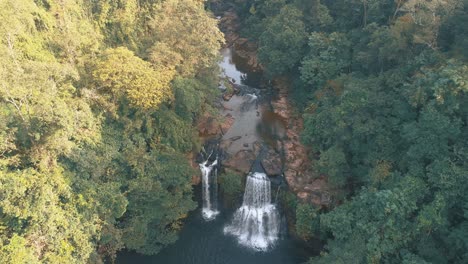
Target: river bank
[286, 155]
[203, 241]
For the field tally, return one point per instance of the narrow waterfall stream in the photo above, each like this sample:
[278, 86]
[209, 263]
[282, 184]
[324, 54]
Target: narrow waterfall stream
[209, 172]
[256, 223]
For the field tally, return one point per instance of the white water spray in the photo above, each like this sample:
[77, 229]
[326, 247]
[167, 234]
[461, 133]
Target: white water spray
[252, 97]
[256, 223]
[209, 189]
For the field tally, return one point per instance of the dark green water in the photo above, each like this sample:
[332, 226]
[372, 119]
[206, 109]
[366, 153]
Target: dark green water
[202, 242]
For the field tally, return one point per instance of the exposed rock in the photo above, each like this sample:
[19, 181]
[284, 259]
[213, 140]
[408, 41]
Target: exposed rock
[235, 138]
[272, 164]
[303, 195]
[227, 96]
[241, 161]
[297, 172]
[257, 147]
[245, 49]
[229, 25]
[208, 126]
[227, 123]
[290, 176]
[227, 108]
[196, 179]
[225, 144]
[315, 198]
[296, 169]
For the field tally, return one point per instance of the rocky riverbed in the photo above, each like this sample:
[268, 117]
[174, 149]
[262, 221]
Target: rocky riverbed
[259, 124]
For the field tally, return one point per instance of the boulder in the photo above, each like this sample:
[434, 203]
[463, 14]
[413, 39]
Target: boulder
[227, 96]
[303, 196]
[272, 164]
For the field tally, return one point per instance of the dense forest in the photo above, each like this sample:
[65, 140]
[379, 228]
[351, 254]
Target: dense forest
[97, 104]
[383, 87]
[99, 100]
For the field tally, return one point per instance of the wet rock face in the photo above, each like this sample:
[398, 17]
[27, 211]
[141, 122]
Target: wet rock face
[272, 163]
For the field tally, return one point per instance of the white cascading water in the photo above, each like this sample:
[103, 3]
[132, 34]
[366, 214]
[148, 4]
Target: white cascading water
[256, 223]
[209, 189]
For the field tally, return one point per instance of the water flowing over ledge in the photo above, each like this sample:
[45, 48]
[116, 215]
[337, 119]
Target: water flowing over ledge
[209, 188]
[256, 224]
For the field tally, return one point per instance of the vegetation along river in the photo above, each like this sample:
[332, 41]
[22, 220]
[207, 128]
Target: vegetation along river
[204, 241]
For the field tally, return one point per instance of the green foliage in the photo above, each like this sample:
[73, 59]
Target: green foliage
[159, 197]
[425, 128]
[231, 187]
[328, 57]
[384, 84]
[193, 42]
[306, 220]
[288, 200]
[95, 124]
[174, 131]
[189, 96]
[121, 73]
[17, 251]
[41, 213]
[282, 42]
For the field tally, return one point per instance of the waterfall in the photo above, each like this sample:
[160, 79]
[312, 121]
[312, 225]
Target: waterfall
[256, 223]
[209, 189]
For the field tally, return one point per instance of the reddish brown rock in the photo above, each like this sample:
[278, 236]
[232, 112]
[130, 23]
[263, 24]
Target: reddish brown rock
[272, 163]
[316, 199]
[227, 96]
[208, 126]
[303, 195]
[290, 176]
[296, 163]
[227, 123]
[298, 169]
[241, 161]
[196, 179]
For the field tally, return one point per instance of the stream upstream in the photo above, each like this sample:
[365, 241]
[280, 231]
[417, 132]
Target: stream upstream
[206, 242]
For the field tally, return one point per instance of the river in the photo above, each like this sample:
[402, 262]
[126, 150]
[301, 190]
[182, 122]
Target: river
[204, 242]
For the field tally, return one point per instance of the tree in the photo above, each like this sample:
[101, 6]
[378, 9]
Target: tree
[328, 57]
[193, 42]
[44, 224]
[283, 41]
[307, 223]
[120, 73]
[90, 131]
